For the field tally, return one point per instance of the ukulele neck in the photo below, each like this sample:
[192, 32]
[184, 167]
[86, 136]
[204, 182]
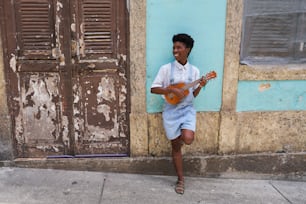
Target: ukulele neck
[188, 86]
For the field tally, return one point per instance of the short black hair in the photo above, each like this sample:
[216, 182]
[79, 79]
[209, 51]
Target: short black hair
[184, 38]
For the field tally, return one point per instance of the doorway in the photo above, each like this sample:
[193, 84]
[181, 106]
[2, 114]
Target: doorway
[67, 76]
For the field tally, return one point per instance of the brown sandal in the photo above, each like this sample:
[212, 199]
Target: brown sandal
[179, 187]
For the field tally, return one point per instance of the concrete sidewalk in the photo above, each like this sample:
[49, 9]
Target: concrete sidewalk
[29, 186]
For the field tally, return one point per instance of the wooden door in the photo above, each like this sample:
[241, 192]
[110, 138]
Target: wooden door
[99, 36]
[67, 76]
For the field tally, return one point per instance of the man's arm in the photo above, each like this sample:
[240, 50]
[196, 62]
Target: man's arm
[198, 89]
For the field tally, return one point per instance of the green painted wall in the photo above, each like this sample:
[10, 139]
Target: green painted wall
[204, 20]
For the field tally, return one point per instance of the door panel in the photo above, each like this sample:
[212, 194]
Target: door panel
[97, 28]
[99, 33]
[101, 114]
[35, 29]
[38, 124]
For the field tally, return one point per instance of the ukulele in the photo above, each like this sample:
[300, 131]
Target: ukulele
[173, 99]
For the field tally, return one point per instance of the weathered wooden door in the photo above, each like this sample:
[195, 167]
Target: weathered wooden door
[100, 84]
[67, 76]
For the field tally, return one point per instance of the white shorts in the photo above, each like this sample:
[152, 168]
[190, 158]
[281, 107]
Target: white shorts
[178, 117]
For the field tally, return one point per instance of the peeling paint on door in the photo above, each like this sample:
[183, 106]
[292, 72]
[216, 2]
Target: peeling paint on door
[67, 75]
[100, 99]
[13, 63]
[38, 122]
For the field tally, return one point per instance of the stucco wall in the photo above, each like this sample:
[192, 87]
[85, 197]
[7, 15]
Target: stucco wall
[257, 129]
[138, 116]
[230, 130]
[206, 138]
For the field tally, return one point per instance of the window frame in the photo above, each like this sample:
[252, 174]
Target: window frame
[296, 44]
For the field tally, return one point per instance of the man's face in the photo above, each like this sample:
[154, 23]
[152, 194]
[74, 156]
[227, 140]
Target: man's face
[180, 52]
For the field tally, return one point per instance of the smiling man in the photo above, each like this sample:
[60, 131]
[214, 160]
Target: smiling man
[179, 115]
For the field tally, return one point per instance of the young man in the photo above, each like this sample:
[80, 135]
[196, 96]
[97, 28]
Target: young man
[179, 119]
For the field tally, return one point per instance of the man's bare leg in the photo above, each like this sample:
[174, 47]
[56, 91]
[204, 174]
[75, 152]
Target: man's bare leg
[187, 137]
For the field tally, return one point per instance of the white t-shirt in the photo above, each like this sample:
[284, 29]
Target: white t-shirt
[181, 73]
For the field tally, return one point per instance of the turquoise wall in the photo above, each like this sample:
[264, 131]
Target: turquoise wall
[271, 95]
[204, 20]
